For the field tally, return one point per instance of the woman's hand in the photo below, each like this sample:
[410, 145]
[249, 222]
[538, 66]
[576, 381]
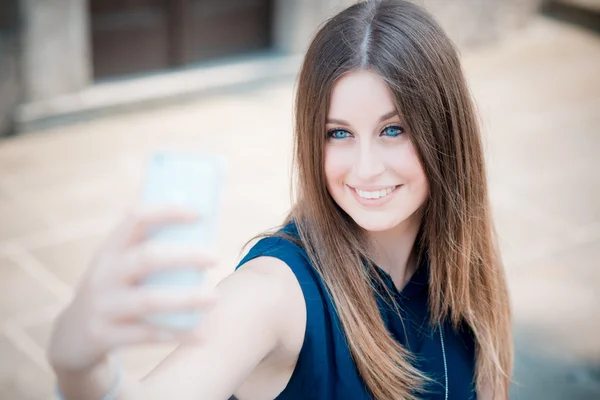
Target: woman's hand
[109, 305]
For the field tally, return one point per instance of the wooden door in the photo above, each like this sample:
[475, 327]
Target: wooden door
[218, 28]
[129, 36]
[134, 36]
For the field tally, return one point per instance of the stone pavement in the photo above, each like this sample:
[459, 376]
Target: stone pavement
[63, 189]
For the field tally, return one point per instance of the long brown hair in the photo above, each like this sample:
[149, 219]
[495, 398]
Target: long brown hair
[403, 44]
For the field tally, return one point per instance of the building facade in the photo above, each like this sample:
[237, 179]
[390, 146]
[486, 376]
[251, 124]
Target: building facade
[53, 51]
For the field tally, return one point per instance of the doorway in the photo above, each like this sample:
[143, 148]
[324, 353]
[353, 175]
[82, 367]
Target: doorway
[139, 36]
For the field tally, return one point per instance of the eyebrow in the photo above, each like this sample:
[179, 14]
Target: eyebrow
[385, 116]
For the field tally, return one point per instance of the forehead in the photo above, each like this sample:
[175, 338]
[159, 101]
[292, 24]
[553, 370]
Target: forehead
[360, 93]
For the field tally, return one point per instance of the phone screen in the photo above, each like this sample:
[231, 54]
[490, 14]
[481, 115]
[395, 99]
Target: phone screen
[193, 181]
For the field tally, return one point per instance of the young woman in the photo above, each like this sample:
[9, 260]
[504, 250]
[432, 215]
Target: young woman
[384, 281]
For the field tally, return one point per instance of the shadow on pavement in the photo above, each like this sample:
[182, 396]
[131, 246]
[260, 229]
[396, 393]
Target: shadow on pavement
[540, 376]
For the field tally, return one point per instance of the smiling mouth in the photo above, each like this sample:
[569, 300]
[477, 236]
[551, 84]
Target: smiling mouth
[374, 194]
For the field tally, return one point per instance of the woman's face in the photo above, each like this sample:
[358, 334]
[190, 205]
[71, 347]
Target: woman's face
[371, 166]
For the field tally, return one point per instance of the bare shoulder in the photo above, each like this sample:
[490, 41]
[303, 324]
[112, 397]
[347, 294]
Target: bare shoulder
[260, 315]
[271, 269]
[281, 286]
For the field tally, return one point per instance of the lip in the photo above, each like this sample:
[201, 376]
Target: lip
[374, 202]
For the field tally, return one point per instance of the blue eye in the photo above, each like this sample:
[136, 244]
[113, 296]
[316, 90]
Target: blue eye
[338, 134]
[393, 131]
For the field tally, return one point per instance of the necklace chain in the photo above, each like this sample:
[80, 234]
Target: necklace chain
[445, 363]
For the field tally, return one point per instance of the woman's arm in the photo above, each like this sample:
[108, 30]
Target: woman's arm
[259, 307]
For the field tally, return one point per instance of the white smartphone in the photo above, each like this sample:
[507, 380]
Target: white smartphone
[195, 182]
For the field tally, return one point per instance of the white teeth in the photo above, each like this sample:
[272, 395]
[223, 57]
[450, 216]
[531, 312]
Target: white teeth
[375, 195]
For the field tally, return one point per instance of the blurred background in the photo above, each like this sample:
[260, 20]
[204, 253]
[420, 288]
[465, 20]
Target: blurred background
[88, 88]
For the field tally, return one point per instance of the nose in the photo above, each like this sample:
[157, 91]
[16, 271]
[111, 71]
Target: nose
[369, 163]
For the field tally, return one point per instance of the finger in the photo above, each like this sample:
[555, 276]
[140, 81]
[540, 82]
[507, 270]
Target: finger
[146, 260]
[139, 223]
[133, 304]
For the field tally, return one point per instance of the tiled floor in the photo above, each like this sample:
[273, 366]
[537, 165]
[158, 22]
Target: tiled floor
[539, 95]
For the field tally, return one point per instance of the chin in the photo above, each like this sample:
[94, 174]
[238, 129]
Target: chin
[376, 223]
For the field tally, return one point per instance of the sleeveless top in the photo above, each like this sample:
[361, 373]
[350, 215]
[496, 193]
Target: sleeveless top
[325, 369]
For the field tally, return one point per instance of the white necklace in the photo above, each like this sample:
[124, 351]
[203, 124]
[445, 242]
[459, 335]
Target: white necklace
[445, 363]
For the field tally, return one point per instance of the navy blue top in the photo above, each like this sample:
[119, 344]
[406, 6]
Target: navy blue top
[325, 369]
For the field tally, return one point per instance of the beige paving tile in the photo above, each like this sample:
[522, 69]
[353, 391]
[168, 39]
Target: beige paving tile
[557, 301]
[522, 238]
[20, 293]
[573, 200]
[56, 172]
[68, 260]
[568, 148]
[83, 200]
[539, 111]
[101, 141]
[20, 378]
[18, 220]
[40, 333]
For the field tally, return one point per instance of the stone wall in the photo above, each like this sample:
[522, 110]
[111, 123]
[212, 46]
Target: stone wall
[10, 91]
[296, 21]
[56, 41]
[55, 54]
[468, 22]
[55, 47]
[10, 87]
[476, 22]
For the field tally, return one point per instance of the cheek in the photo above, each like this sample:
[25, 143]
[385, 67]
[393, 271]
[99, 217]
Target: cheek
[407, 165]
[417, 176]
[336, 166]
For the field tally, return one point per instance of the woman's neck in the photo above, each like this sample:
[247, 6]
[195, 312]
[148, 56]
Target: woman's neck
[394, 249]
